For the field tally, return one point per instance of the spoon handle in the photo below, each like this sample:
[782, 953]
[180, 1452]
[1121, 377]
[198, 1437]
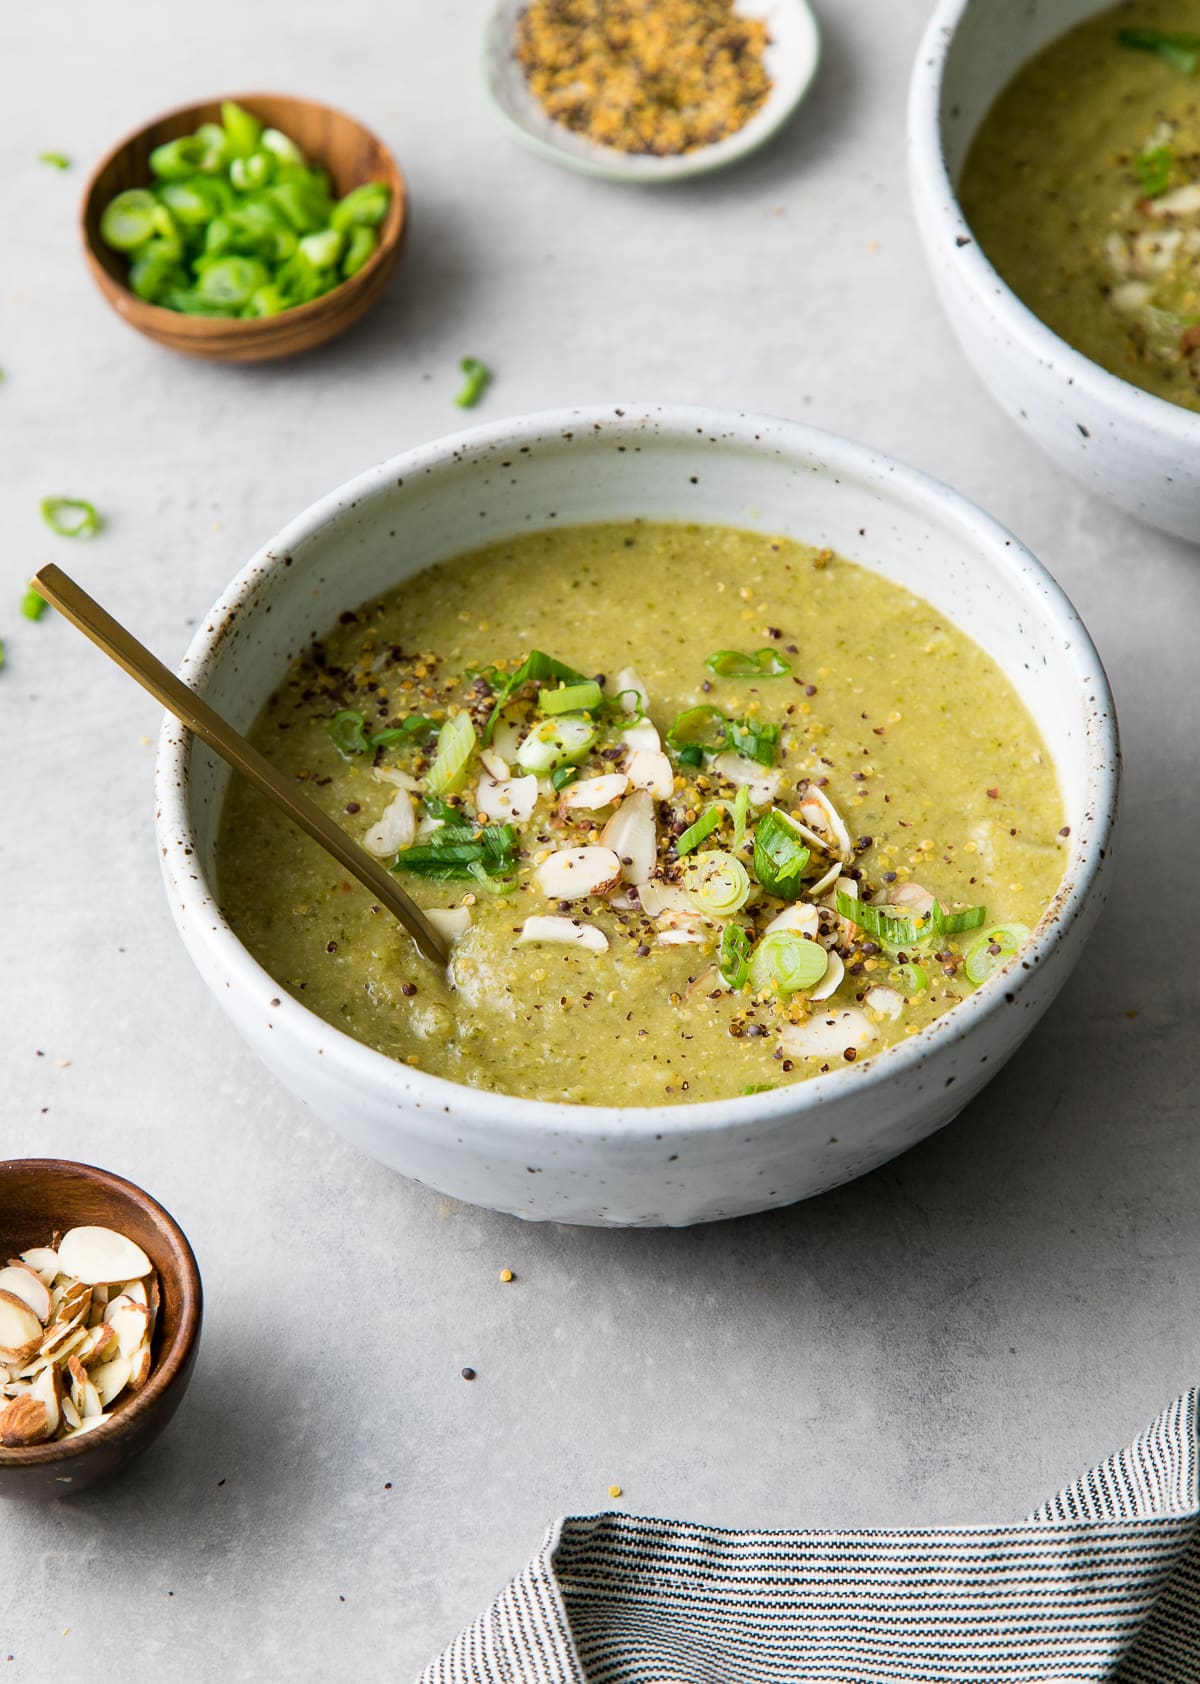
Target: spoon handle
[121, 646]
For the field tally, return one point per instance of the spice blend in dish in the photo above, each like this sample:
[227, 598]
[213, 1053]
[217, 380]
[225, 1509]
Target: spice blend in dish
[657, 76]
[1083, 188]
[703, 811]
[76, 1325]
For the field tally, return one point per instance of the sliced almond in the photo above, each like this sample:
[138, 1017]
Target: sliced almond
[762, 781]
[70, 1414]
[100, 1344]
[48, 1389]
[846, 926]
[684, 936]
[507, 801]
[641, 738]
[565, 931]
[632, 834]
[395, 829]
[139, 1368]
[591, 794]
[90, 1422]
[71, 1300]
[495, 764]
[572, 873]
[397, 779]
[828, 1036]
[25, 1283]
[452, 921]
[820, 814]
[136, 1290]
[911, 896]
[884, 1000]
[43, 1261]
[650, 769]
[835, 970]
[100, 1254]
[24, 1421]
[657, 898]
[111, 1378]
[131, 1324]
[19, 1326]
[153, 1300]
[800, 916]
[623, 684]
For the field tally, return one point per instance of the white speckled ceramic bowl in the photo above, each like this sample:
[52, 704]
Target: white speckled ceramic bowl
[1125, 444]
[791, 60]
[661, 1165]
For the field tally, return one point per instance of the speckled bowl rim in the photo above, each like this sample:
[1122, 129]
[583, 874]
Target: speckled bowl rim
[929, 175]
[193, 897]
[607, 163]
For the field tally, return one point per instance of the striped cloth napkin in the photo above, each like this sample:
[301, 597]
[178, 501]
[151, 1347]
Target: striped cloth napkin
[1101, 1583]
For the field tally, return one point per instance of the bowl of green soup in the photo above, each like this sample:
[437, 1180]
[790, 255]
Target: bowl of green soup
[762, 787]
[1054, 163]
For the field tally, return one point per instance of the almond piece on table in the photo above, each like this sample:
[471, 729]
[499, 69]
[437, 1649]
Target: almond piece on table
[98, 1255]
[20, 1329]
[24, 1282]
[24, 1421]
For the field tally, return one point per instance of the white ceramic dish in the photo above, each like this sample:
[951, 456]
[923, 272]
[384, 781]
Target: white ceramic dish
[791, 60]
[658, 1165]
[1125, 444]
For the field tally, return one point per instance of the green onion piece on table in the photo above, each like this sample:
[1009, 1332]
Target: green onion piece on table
[995, 947]
[780, 855]
[696, 833]
[70, 517]
[764, 663]
[456, 744]
[1180, 50]
[476, 378]
[787, 960]
[572, 698]
[33, 604]
[56, 160]
[733, 959]
[1153, 169]
[717, 884]
[346, 729]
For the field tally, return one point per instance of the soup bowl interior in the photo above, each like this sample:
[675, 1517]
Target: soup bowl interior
[654, 1164]
[1125, 444]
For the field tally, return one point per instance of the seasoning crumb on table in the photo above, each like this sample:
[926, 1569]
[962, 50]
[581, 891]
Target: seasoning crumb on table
[650, 76]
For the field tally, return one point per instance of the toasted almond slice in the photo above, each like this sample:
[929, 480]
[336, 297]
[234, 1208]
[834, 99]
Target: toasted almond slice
[800, 916]
[820, 814]
[131, 1324]
[566, 931]
[684, 936]
[641, 738]
[495, 765]
[153, 1300]
[507, 801]
[100, 1344]
[139, 1368]
[19, 1326]
[452, 921]
[136, 1290]
[395, 828]
[632, 834]
[397, 779]
[828, 1035]
[657, 898]
[884, 1000]
[912, 897]
[593, 793]
[48, 1389]
[90, 1422]
[650, 769]
[73, 1299]
[25, 1283]
[70, 1414]
[846, 926]
[762, 781]
[623, 684]
[42, 1260]
[835, 970]
[572, 873]
[23, 1421]
[111, 1378]
[99, 1254]
[16, 1388]
[91, 1404]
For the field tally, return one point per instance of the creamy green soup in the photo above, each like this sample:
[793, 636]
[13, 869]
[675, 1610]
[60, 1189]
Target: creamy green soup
[702, 812]
[1083, 188]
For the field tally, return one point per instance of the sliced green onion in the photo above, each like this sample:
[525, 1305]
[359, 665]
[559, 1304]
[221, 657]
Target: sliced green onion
[363, 242]
[780, 855]
[756, 740]
[733, 959]
[788, 960]
[495, 885]
[617, 703]
[281, 147]
[694, 727]
[249, 174]
[243, 131]
[364, 207]
[175, 159]
[995, 947]
[416, 725]
[954, 923]
[536, 667]
[741, 812]
[56, 160]
[555, 742]
[572, 698]
[322, 250]
[215, 146]
[232, 281]
[913, 978]
[346, 729]
[70, 517]
[456, 850]
[695, 833]
[757, 1087]
[717, 884]
[564, 775]
[476, 378]
[691, 754]
[33, 604]
[764, 663]
[3, 654]
[1153, 169]
[128, 220]
[456, 744]
[1180, 50]
[892, 932]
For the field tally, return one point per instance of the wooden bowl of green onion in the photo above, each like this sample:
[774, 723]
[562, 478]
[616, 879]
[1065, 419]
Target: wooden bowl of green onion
[247, 228]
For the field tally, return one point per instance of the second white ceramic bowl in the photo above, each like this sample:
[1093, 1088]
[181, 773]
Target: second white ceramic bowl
[1125, 444]
[659, 1165]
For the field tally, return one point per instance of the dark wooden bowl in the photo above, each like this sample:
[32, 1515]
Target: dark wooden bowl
[336, 142]
[38, 1195]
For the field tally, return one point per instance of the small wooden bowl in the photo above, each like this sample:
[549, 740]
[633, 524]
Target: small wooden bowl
[38, 1195]
[335, 142]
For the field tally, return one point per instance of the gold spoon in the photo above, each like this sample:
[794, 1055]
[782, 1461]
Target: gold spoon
[122, 647]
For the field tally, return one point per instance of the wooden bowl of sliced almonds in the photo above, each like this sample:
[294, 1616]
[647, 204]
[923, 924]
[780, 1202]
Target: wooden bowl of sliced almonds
[100, 1310]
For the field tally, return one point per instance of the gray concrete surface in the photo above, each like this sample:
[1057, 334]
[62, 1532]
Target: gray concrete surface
[945, 1341]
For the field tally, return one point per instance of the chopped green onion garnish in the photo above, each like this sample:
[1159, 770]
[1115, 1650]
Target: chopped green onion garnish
[954, 923]
[617, 703]
[361, 247]
[732, 962]
[243, 131]
[694, 727]
[1180, 50]
[70, 517]
[717, 884]
[764, 663]
[757, 741]
[695, 833]
[476, 376]
[572, 698]
[56, 160]
[536, 667]
[741, 812]
[1153, 168]
[564, 775]
[757, 1087]
[415, 726]
[33, 604]
[780, 856]
[691, 754]
[457, 849]
[128, 220]
[555, 742]
[788, 960]
[914, 979]
[995, 947]
[892, 932]
[365, 207]
[456, 744]
[323, 249]
[282, 148]
[346, 729]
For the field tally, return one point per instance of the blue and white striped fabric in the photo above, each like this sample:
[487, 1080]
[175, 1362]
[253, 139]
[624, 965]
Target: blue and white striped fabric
[1101, 1583]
